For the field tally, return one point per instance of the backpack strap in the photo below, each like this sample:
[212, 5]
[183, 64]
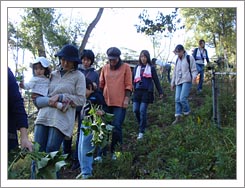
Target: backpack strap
[195, 53]
[189, 62]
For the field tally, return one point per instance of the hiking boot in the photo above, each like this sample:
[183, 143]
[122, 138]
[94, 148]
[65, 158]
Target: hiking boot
[177, 120]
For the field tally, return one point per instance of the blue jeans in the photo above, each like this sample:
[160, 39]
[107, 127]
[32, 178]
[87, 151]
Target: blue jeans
[140, 110]
[119, 116]
[200, 70]
[85, 146]
[49, 138]
[181, 98]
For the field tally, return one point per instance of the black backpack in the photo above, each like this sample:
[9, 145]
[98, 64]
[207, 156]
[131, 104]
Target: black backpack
[189, 62]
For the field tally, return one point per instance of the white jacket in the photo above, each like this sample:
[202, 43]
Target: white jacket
[181, 72]
[38, 85]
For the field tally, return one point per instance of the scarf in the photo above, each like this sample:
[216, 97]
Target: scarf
[146, 73]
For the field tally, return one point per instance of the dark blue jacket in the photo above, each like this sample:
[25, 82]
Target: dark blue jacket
[17, 117]
[147, 83]
[91, 74]
[195, 55]
[96, 98]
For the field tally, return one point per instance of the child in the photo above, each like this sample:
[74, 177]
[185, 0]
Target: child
[39, 84]
[93, 96]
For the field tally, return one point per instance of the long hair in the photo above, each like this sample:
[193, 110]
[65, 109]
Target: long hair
[148, 57]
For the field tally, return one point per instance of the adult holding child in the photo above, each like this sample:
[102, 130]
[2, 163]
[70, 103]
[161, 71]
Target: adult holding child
[66, 84]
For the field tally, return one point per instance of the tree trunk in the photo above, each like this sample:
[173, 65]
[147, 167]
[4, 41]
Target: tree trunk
[90, 28]
[39, 43]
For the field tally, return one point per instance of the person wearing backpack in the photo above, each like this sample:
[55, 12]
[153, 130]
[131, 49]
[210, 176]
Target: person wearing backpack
[183, 76]
[200, 54]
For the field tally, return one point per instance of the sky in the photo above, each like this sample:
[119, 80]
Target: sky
[115, 28]
[121, 37]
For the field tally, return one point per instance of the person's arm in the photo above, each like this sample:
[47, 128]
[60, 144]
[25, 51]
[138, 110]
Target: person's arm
[173, 79]
[195, 53]
[24, 141]
[128, 86]
[28, 85]
[102, 79]
[157, 82]
[193, 70]
[17, 111]
[207, 58]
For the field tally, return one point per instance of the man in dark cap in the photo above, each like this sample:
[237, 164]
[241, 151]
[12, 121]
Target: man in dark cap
[116, 84]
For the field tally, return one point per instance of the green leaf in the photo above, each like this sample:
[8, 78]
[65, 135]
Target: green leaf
[36, 147]
[86, 132]
[109, 127]
[42, 163]
[94, 127]
[59, 165]
[108, 117]
[53, 154]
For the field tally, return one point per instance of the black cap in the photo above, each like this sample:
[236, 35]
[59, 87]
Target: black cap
[113, 53]
[179, 47]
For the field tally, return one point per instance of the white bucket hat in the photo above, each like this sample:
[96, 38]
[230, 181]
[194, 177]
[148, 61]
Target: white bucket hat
[44, 62]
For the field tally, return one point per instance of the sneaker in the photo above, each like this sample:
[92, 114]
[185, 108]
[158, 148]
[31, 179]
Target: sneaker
[177, 120]
[83, 176]
[98, 159]
[114, 157]
[86, 176]
[140, 136]
[187, 113]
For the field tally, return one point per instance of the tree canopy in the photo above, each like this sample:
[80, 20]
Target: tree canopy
[42, 31]
[217, 26]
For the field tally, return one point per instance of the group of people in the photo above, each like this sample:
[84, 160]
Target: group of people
[65, 94]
